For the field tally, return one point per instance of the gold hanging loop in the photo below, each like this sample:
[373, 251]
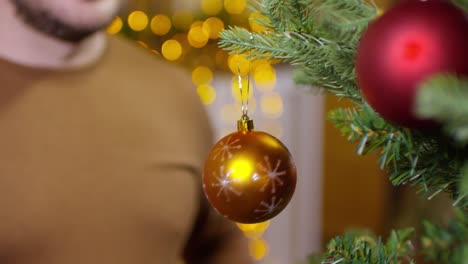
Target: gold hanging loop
[245, 123]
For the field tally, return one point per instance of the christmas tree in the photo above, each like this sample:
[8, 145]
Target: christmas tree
[322, 39]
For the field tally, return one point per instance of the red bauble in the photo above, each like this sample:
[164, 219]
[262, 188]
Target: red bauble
[407, 44]
[249, 177]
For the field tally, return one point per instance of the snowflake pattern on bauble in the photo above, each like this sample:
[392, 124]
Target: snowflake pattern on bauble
[272, 174]
[225, 149]
[224, 184]
[268, 208]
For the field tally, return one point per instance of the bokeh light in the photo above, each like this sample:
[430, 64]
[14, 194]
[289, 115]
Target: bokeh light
[235, 7]
[138, 20]
[254, 231]
[202, 75]
[161, 25]
[236, 91]
[211, 7]
[192, 42]
[245, 227]
[198, 37]
[115, 26]
[271, 105]
[265, 76]
[258, 249]
[238, 62]
[256, 21]
[214, 26]
[206, 93]
[171, 50]
[197, 23]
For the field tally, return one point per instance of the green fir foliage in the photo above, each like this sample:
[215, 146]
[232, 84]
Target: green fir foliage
[320, 38]
[444, 98]
[462, 3]
[322, 47]
[354, 248]
[412, 157]
[449, 245]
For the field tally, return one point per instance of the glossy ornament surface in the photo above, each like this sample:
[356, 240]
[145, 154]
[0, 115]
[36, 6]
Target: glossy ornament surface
[249, 176]
[409, 43]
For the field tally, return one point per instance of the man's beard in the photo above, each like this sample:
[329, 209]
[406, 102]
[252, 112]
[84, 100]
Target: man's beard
[52, 26]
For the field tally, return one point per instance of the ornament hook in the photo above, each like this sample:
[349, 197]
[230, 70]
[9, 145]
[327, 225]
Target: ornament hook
[245, 123]
[244, 100]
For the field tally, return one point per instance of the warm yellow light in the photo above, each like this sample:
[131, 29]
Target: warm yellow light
[198, 37]
[138, 20]
[238, 62]
[206, 93]
[211, 7]
[241, 170]
[259, 227]
[255, 231]
[236, 91]
[214, 26]
[182, 20]
[258, 249]
[235, 7]
[265, 76]
[272, 105]
[171, 50]
[245, 227]
[262, 227]
[255, 25]
[202, 75]
[115, 26]
[161, 25]
[197, 23]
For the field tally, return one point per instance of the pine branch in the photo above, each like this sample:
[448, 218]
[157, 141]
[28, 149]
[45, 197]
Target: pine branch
[445, 99]
[298, 36]
[283, 15]
[315, 57]
[462, 3]
[320, 38]
[464, 179]
[360, 249]
[442, 245]
[341, 21]
[410, 156]
[449, 245]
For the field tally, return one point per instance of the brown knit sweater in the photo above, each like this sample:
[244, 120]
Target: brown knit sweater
[101, 165]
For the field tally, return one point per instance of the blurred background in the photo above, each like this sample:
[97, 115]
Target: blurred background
[337, 190]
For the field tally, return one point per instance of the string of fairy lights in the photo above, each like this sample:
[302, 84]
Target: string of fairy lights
[189, 38]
